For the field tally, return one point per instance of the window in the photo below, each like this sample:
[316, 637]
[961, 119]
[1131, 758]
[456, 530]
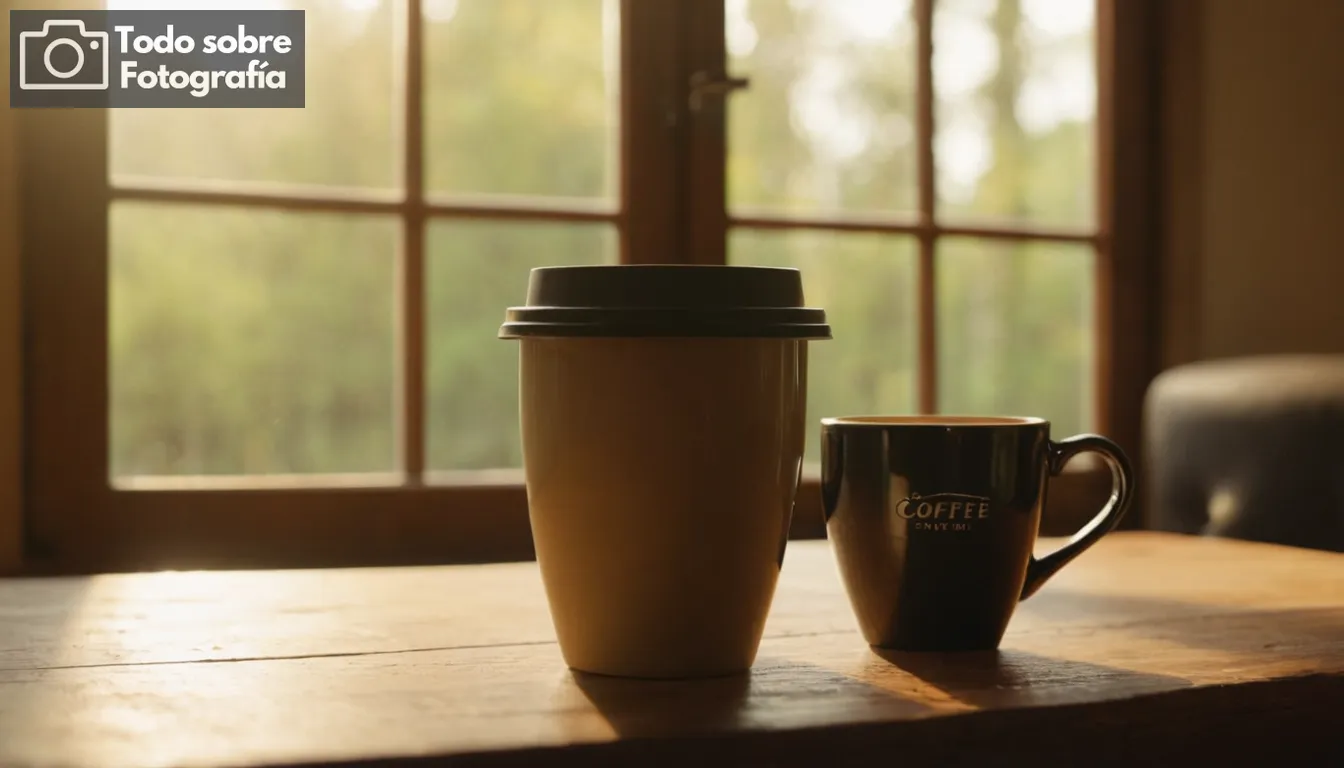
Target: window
[267, 337]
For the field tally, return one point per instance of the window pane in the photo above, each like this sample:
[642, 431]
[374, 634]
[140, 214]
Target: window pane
[346, 136]
[866, 283]
[1016, 110]
[827, 124]
[250, 342]
[1015, 331]
[521, 97]
[476, 269]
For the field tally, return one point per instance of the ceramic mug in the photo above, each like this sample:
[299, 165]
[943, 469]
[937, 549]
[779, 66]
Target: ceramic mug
[933, 520]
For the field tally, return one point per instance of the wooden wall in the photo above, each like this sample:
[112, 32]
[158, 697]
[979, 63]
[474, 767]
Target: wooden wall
[11, 378]
[1254, 162]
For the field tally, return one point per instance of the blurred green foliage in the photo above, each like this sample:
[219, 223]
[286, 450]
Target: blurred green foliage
[256, 341]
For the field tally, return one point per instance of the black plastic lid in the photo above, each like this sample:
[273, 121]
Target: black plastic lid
[665, 300]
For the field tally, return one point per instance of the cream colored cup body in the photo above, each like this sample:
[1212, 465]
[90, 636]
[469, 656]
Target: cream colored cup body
[661, 475]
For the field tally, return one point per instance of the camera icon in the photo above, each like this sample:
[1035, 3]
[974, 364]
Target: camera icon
[45, 59]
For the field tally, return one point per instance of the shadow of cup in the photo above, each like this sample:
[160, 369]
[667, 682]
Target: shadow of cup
[1008, 678]
[646, 708]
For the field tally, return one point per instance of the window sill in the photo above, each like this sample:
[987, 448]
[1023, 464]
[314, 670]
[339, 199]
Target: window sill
[479, 518]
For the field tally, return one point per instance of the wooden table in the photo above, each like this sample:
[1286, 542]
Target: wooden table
[1149, 649]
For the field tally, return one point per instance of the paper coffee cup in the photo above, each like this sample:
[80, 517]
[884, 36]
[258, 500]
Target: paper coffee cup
[663, 419]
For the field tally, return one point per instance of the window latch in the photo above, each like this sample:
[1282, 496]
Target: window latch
[705, 84]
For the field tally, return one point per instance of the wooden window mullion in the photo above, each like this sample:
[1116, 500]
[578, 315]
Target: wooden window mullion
[926, 309]
[411, 301]
[706, 177]
[652, 122]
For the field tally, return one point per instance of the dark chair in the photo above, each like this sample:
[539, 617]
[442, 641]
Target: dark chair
[1249, 448]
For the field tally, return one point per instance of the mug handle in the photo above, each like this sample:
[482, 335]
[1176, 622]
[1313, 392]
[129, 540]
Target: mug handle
[1122, 491]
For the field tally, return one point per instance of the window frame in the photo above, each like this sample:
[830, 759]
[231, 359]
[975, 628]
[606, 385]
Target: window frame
[11, 377]
[76, 521]
[708, 158]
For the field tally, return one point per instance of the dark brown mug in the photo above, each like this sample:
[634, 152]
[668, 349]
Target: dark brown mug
[933, 520]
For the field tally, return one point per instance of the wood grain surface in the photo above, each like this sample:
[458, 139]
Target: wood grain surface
[1150, 648]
